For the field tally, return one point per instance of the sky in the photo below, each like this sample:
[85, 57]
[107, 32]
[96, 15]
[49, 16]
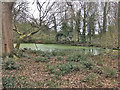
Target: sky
[33, 8]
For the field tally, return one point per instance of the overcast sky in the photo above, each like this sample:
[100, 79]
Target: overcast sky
[34, 11]
[33, 8]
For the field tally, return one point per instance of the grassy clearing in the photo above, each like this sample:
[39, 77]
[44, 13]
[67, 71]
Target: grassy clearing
[38, 69]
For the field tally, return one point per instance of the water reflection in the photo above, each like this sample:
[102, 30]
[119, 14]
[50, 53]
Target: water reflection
[81, 51]
[65, 48]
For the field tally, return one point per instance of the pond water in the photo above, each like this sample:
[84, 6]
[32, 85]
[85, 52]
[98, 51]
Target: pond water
[66, 48]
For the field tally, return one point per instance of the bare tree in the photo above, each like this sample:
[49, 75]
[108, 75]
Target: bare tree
[36, 24]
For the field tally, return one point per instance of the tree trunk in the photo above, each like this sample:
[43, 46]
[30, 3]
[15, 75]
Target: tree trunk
[18, 43]
[20, 39]
[0, 29]
[105, 18]
[78, 37]
[119, 38]
[84, 25]
[7, 40]
[119, 26]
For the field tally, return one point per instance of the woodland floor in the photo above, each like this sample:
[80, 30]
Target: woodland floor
[34, 70]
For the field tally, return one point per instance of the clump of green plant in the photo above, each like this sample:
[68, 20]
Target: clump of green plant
[100, 62]
[18, 53]
[43, 54]
[66, 68]
[97, 70]
[77, 58]
[29, 57]
[8, 81]
[61, 53]
[10, 65]
[39, 51]
[24, 55]
[54, 53]
[99, 83]
[41, 59]
[48, 56]
[51, 83]
[109, 72]
[50, 68]
[15, 82]
[90, 78]
[88, 64]
[32, 51]
[59, 58]
[39, 84]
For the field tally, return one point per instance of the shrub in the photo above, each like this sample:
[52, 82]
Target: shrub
[10, 65]
[41, 59]
[109, 72]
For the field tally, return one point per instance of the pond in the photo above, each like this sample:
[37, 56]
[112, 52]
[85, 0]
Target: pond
[67, 48]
